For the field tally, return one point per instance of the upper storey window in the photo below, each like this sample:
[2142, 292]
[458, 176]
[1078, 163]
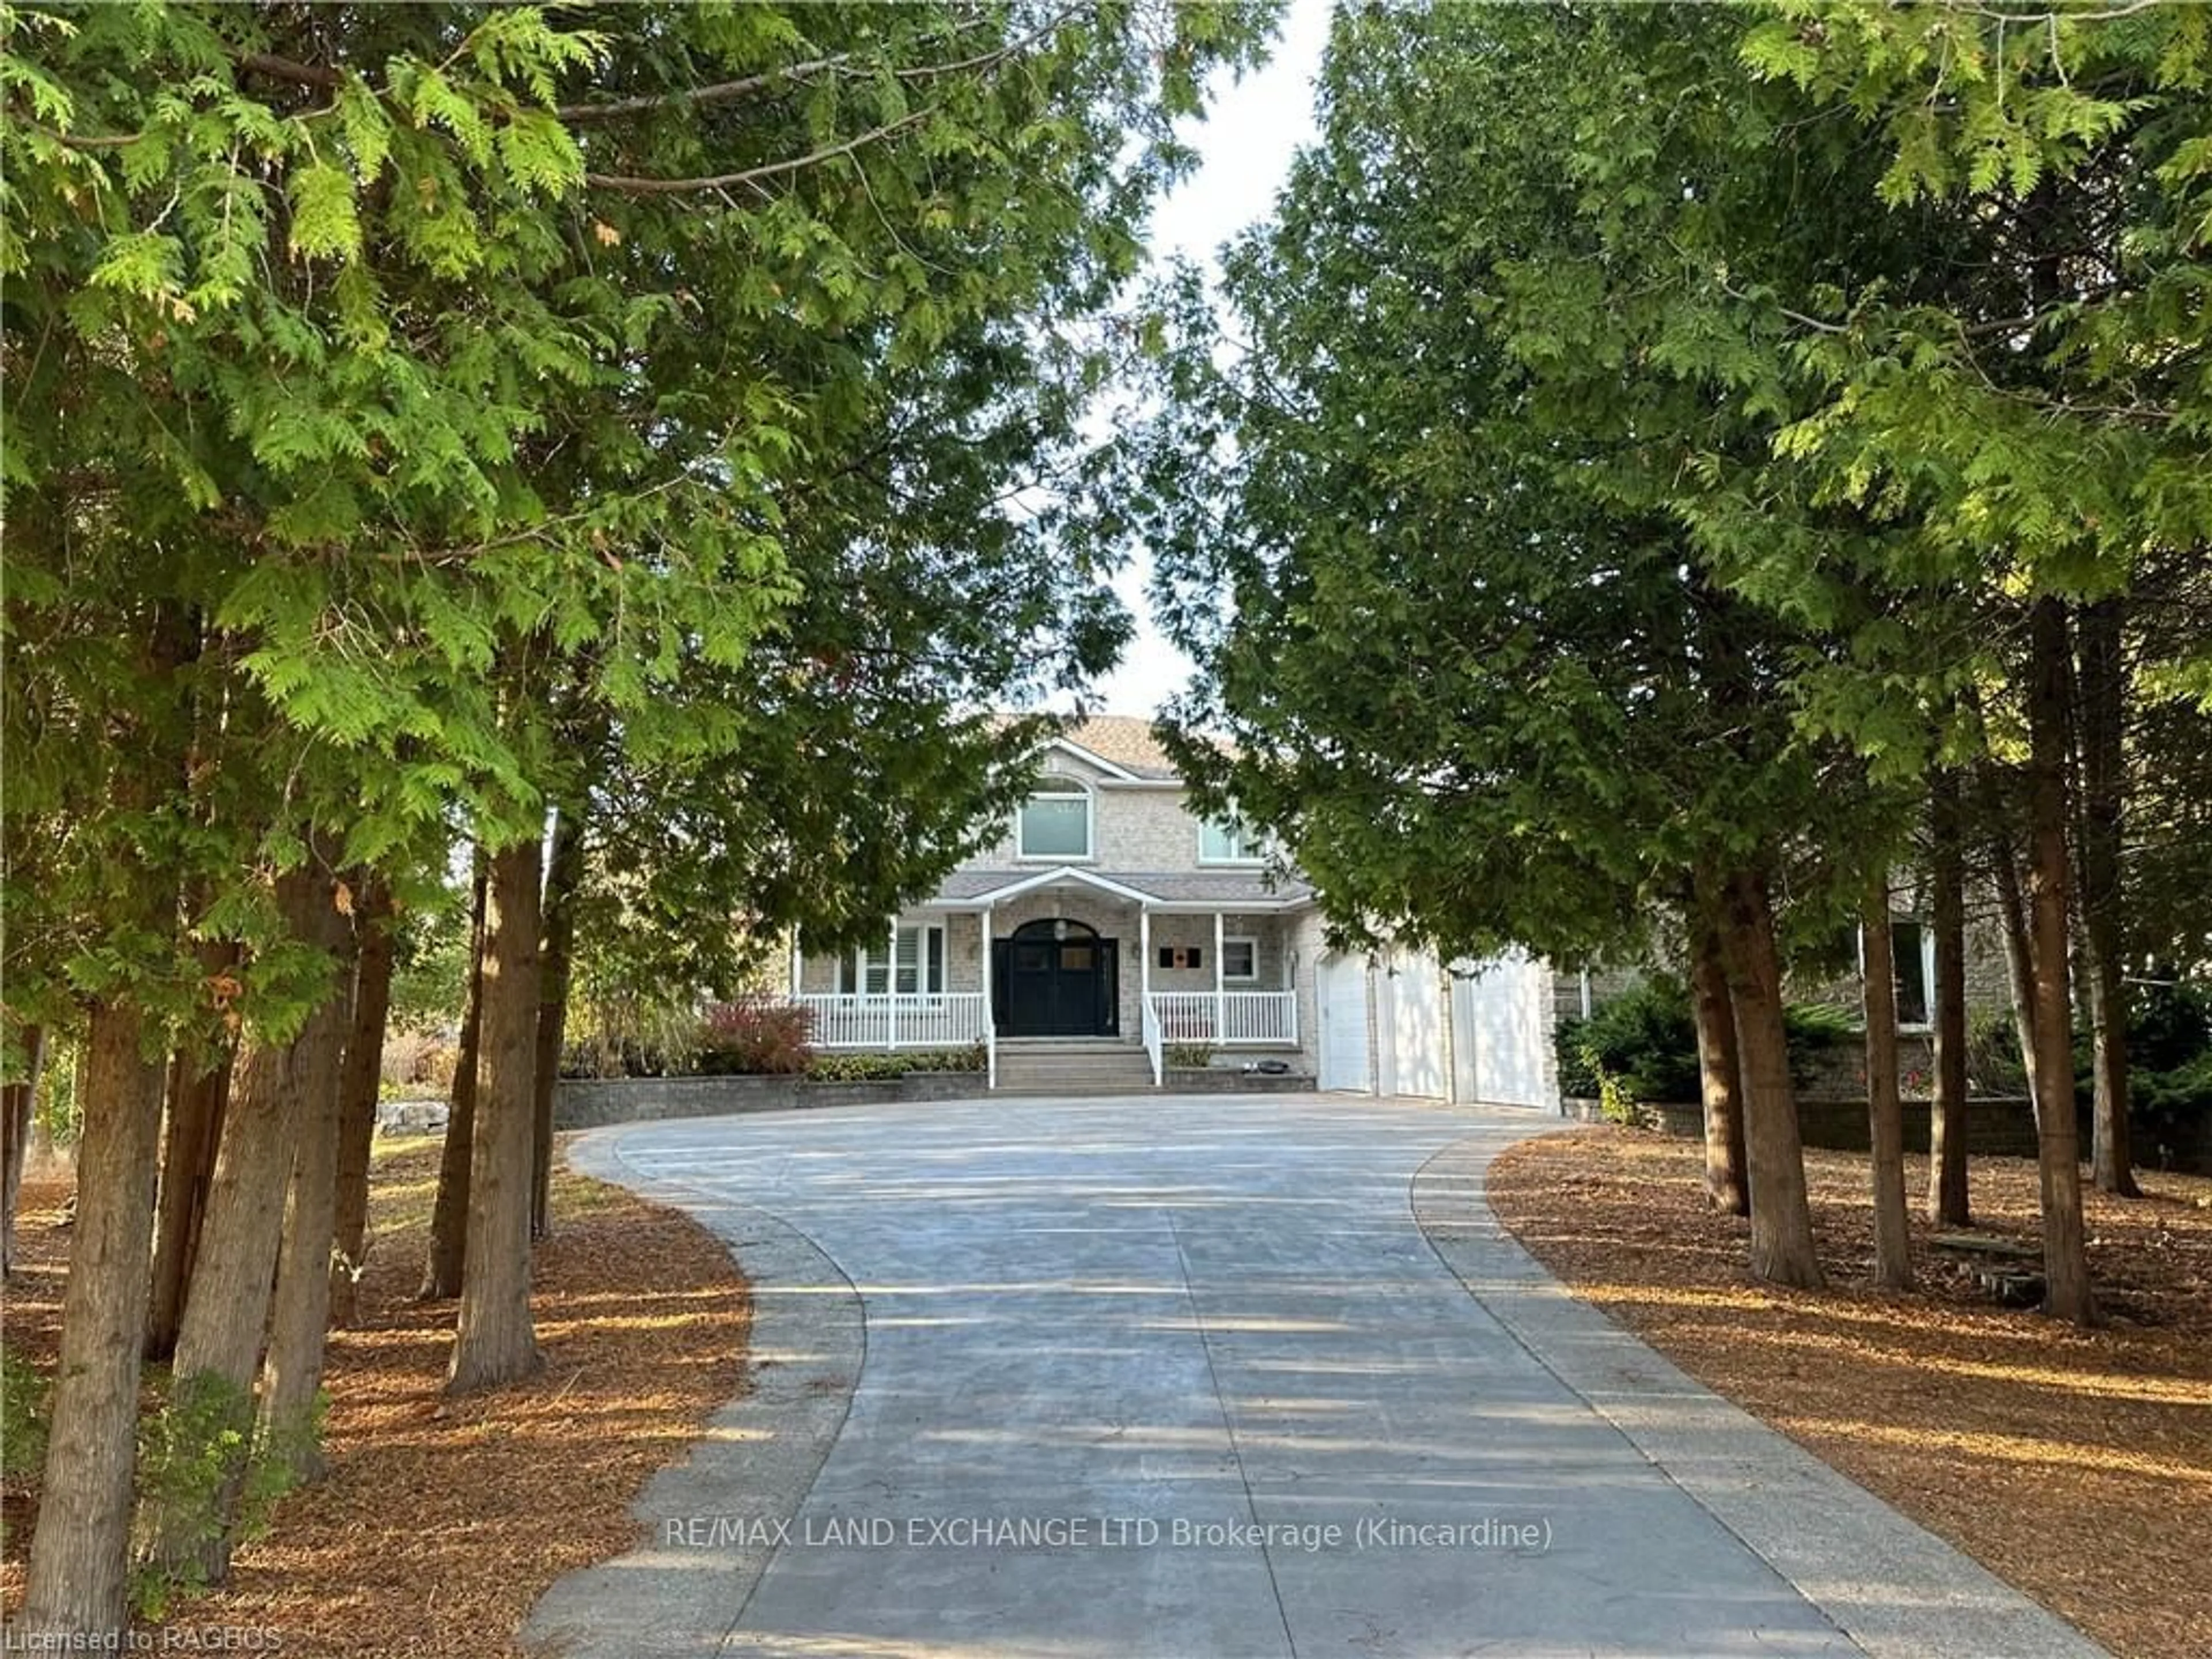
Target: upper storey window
[1056, 822]
[1225, 840]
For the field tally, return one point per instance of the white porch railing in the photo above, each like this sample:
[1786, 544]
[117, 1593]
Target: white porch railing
[951, 1020]
[1225, 1017]
[1154, 1043]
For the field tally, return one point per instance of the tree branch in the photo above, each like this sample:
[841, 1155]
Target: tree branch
[724, 92]
[630, 185]
[284, 68]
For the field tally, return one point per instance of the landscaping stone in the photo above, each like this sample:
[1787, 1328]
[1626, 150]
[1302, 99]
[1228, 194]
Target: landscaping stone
[411, 1117]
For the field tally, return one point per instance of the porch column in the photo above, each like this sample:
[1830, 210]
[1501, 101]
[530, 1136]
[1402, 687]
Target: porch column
[890, 988]
[1144, 964]
[1220, 1000]
[798, 972]
[983, 923]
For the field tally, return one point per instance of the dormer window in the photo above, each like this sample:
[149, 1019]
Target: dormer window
[1227, 840]
[1056, 822]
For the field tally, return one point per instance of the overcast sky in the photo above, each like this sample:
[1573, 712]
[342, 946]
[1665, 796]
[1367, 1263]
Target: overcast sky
[1246, 145]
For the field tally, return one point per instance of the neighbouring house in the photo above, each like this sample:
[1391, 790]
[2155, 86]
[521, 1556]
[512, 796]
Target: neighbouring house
[1840, 1073]
[1112, 935]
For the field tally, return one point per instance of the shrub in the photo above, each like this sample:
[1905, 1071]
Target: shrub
[1814, 1029]
[1642, 1046]
[23, 1400]
[1578, 1079]
[755, 1036]
[625, 1034]
[1188, 1056]
[206, 1471]
[1993, 1062]
[2165, 1108]
[418, 1061]
[868, 1068]
[2169, 1026]
[859, 1068]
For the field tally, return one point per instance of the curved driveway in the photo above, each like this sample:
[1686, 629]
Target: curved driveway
[1142, 1377]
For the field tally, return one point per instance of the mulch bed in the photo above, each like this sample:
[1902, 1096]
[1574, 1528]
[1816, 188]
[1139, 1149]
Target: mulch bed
[2076, 1465]
[441, 1522]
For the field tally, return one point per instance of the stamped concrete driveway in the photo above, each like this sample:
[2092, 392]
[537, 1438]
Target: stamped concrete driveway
[1212, 1377]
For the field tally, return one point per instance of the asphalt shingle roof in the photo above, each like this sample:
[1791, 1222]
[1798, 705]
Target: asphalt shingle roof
[1125, 740]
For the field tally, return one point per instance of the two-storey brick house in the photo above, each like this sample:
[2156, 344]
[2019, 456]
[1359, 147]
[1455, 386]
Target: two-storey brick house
[1111, 919]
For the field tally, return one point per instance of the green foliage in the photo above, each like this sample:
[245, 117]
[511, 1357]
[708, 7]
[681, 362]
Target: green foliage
[2170, 1108]
[2169, 1067]
[2169, 1024]
[1578, 1077]
[384, 401]
[1816, 1029]
[24, 1393]
[430, 966]
[1467, 665]
[206, 1472]
[847, 1066]
[1188, 1056]
[55, 1110]
[1641, 1048]
[1993, 1065]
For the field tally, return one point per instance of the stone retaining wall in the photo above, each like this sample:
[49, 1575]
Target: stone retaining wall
[592, 1103]
[1996, 1126]
[1219, 1080]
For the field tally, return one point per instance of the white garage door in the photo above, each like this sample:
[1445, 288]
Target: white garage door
[1341, 990]
[1410, 1003]
[1500, 1033]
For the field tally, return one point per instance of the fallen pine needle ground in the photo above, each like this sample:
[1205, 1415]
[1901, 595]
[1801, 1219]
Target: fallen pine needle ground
[441, 1521]
[2076, 1465]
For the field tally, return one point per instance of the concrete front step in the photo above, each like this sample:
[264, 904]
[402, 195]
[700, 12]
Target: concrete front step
[1141, 1071]
[1074, 1090]
[1047, 1047]
[1073, 1067]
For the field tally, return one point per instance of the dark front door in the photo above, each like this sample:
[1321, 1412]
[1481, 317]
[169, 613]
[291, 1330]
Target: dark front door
[1055, 978]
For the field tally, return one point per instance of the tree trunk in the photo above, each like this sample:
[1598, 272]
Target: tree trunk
[2065, 1259]
[1948, 1202]
[357, 1093]
[219, 1344]
[449, 1213]
[81, 1550]
[2102, 698]
[1893, 1237]
[1781, 1218]
[1719, 1077]
[2019, 972]
[18, 1109]
[493, 1340]
[292, 1371]
[563, 878]
[198, 1091]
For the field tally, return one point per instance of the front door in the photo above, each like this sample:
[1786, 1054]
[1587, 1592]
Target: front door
[1055, 978]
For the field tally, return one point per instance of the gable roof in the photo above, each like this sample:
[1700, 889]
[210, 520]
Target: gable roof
[1124, 741]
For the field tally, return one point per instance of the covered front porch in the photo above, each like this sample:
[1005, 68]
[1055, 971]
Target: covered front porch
[1062, 954]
